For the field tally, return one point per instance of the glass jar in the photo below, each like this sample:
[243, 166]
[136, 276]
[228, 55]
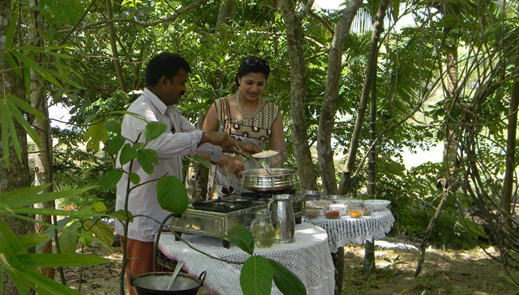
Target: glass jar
[262, 230]
[314, 204]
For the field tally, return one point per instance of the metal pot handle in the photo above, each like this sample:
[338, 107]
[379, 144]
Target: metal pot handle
[202, 277]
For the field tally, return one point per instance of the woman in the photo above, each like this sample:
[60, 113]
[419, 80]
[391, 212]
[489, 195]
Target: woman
[247, 118]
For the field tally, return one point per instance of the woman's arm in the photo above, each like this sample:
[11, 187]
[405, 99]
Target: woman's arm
[277, 141]
[211, 122]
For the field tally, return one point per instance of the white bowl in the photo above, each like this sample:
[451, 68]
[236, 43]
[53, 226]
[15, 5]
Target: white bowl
[377, 205]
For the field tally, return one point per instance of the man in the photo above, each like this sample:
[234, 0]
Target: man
[166, 78]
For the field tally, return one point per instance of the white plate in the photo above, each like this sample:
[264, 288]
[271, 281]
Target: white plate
[265, 154]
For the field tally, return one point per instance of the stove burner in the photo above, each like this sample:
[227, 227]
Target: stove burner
[220, 206]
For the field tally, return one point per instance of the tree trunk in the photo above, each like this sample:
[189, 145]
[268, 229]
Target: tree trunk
[17, 176]
[113, 43]
[508, 181]
[331, 93]
[42, 157]
[297, 95]
[347, 180]
[226, 13]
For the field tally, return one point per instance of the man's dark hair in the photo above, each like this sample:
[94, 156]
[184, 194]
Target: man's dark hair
[165, 64]
[253, 64]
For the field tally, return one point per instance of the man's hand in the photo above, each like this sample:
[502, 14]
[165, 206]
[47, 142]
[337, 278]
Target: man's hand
[234, 165]
[218, 138]
[249, 147]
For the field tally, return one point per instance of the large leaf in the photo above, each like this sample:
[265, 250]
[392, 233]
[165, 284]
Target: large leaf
[45, 285]
[242, 238]
[113, 126]
[33, 65]
[286, 281]
[154, 130]
[65, 260]
[172, 195]
[68, 240]
[30, 195]
[95, 134]
[25, 106]
[256, 276]
[102, 231]
[33, 240]
[147, 158]
[116, 143]
[128, 153]
[110, 179]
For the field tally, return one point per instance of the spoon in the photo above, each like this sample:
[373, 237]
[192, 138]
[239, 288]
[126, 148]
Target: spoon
[175, 273]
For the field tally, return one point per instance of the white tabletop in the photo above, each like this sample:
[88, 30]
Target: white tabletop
[346, 229]
[308, 258]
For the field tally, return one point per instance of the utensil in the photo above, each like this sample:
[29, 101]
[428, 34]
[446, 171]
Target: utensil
[175, 273]
[261, 180]
[237, 151]
[155, 283]
[282, 213]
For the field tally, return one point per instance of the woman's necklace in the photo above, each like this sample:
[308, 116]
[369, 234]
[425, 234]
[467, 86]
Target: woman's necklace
[241, 110]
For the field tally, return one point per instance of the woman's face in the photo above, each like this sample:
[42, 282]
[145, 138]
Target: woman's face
[252, 85]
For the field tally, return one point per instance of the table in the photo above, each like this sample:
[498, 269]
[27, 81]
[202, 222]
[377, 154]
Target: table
[346, 229]
[308, 258]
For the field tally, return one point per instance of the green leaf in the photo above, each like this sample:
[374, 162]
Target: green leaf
[98, 207]
[116, 143]
[25, 106]
[113, 126]
[256, 276]
[147, 158]
[121, 215]
[134, 178]
[12, 63]
[154, 130]
[242, 238]
[45, 285]
[139, 145]
[32, 240]
[172, 195]
[102, 231]
[10, 31]
[30, 195]
[68, 241]
[65, 260]
[95, 134]
[110, 179]
[45, 73]
[128, 153]
[14, 136]
[5, 135]
[286, 281]
[202, 161]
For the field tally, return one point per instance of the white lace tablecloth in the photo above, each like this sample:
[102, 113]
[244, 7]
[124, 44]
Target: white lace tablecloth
[354, 230]
[308, 257]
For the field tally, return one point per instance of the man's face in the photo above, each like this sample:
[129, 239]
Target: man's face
[175, 88]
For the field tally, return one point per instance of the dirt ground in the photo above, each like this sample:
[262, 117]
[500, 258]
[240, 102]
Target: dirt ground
[444, 272]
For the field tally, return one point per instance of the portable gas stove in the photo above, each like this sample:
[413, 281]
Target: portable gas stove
[216, 218]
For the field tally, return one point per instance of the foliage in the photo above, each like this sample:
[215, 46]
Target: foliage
[21, 266]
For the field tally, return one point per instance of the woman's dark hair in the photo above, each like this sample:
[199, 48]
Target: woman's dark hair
[165, 64]
[253, 64]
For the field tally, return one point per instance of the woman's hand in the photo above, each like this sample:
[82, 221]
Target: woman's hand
[249, 147]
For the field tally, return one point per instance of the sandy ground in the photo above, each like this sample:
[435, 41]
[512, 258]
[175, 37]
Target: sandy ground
[444, 272]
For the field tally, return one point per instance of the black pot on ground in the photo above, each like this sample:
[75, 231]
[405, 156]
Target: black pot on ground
[156, 283]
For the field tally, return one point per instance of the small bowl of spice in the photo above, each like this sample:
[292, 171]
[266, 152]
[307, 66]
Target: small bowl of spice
[356, 211]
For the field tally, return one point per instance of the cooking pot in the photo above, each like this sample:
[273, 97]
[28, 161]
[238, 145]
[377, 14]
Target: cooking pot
[156, 283]
[261, 180]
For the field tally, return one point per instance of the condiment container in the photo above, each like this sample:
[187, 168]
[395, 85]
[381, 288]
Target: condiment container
[262, 230]
[313, 203]
[356, 210]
